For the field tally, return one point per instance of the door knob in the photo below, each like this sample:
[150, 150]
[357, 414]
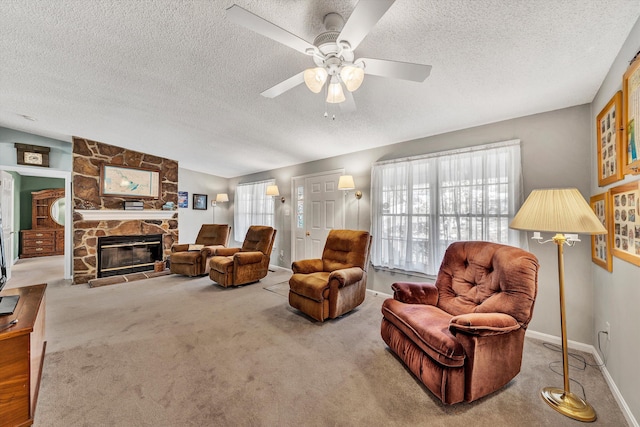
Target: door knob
[308, 234]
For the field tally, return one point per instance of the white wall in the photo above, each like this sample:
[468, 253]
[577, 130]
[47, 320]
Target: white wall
[617, 294]
[189, 219]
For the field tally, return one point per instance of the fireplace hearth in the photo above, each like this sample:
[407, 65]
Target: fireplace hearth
[119, 255]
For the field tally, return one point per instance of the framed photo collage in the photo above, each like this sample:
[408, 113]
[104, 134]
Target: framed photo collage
[618, 154]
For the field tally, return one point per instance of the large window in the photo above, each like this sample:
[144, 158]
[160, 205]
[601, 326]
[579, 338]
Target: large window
[422, 204]
[252, 206]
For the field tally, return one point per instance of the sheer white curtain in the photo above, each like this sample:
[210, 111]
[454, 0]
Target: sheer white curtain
[422, 204]
[252, 206]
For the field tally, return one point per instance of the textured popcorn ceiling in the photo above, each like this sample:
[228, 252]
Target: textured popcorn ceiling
[175, 78]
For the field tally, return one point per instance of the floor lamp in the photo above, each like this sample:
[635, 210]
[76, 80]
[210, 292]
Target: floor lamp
[220, 198]
[346, 183]
[560, 211]
[273, 191]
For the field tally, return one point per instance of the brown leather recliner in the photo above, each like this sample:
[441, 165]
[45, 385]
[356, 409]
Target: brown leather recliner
[337, 283]
[193, 259]
[463, 336]
[250, 263]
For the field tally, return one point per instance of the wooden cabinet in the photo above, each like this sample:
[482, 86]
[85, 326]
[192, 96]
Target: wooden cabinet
[42, 242]
[22, 348]
[46, 236]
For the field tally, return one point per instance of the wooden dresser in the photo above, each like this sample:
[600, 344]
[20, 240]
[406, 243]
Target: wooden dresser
[42, 242]
[46, 236]
[22, 348]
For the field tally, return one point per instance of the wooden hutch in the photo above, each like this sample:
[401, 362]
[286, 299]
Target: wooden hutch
[46, 236]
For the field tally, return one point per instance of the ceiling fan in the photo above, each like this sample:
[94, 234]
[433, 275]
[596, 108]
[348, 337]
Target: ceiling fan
[333, 53]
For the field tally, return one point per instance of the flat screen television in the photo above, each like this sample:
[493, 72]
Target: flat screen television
[7, 303]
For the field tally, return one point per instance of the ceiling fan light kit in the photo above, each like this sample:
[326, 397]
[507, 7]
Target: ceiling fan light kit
[314, 78]
[333, 52]
[352, 77]
[335, 94]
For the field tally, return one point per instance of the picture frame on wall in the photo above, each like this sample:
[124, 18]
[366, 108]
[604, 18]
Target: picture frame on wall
[200, 202]
[183, 199]
[601, 243]
[122, 181]
[631, 118]
[609, 141]
[625, 224]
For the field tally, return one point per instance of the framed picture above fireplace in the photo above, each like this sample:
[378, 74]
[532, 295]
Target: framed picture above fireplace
[121, 181]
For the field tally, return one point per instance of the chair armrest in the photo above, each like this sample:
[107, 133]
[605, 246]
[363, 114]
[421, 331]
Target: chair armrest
[483, 324]
[415, 293]
[307, 266]
[347, 276]
[180, 247]
[226, 251]
[211, 250]
[244, 258]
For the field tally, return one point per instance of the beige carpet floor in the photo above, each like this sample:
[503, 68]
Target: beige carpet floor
[178, 351]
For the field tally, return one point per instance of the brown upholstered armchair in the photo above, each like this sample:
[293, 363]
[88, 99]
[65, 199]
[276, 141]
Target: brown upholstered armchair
[462, 337]
[193, 259]
[337, 283]
[250, 263]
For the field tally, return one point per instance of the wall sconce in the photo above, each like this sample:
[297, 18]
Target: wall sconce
[220, 198]
[272, 190]
[346, 183]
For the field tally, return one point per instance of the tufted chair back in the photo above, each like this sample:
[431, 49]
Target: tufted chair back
[213, 234]
[259, 238]
[345, 249]
[483, 277]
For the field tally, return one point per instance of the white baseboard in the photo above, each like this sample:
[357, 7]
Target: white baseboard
[274, 267]
[592, 350]
[378, 293]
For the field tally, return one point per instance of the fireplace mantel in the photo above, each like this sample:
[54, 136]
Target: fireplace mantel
[121, 214]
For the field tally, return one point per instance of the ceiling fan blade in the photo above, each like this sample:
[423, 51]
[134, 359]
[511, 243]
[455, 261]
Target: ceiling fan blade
[366, 14]
[284, 86]
[395, 69]
[261, 26]
[349, 104]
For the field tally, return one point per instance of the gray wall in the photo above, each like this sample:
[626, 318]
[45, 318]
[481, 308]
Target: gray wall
[190, 220]
[555, 153]
[616, 294]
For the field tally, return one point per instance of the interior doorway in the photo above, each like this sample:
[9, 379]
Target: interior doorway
[68, 232]
[318, 207]
[6, 220]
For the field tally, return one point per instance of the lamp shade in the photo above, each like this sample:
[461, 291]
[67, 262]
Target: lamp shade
[346, 183]
[222, 197]
[335, 94]
[314, 78]
[272, 190]
[352, 77]
[562, 210]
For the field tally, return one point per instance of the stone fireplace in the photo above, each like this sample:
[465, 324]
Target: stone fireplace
[97, 216]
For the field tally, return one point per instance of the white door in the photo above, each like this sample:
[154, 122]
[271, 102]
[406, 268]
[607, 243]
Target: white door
[6, 218]
[319, 207]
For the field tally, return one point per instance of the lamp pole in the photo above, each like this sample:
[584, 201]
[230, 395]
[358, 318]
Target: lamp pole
[562, 400]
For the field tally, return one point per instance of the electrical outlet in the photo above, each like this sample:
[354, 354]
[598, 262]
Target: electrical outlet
[607, 329]
[281, 252]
